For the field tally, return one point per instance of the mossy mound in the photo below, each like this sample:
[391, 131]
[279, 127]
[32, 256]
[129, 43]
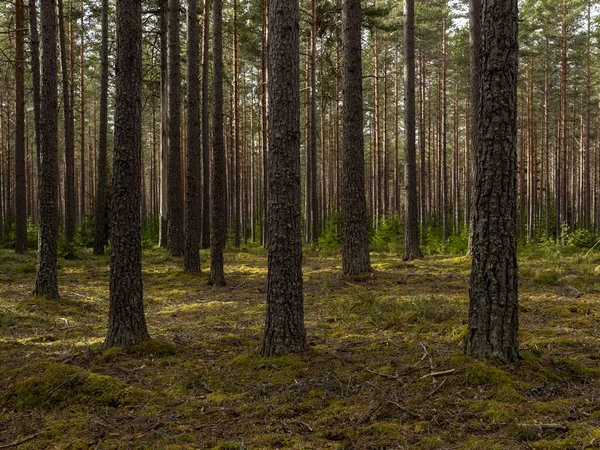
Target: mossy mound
[50, 385]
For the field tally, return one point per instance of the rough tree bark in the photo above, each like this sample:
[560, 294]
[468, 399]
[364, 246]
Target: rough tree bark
[175, 241]
[355, 251]
[126, 321]
[101, 232]
[46, 283]
[493, 309]
[191, 257]
[218, 175]
[69, 182]
[20, 183]
[412, 248]
[284, 328]
[205, 131]
[34, 42]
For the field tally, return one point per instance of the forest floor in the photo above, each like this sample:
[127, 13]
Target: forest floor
[366, 382]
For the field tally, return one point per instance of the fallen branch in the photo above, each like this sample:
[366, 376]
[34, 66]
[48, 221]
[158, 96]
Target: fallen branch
[438, 374]
[437, 388]
[402, 408]
[384, 375]
[19, 442]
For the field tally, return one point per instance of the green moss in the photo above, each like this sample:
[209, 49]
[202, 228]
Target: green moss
[154, 348]
[48, 385]
[494, 411]
[477, 443]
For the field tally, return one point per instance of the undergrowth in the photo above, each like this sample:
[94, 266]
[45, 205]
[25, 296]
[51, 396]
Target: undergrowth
[365, 383]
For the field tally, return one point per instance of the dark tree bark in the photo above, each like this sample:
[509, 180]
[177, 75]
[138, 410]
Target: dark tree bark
[46, 283]
[493, 309]
[284, 328]
[20, 183]
[34, 42]
[69, 186]
[126, 321]
[164, 122]
[474, 74]
[355, 251]
[218, 176]
[412, 248]
[175, 241]
[205, 131]
[191, 257]
[101, 232]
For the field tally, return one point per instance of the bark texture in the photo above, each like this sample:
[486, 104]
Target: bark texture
[101, 231]
[126, 321]
[355, 251]
[191, 257]
[218, 175]
[412, 249]
[493, 309]
[20, 185]
[284, 328]
[34, 43]
[69, 181]
[46, 283]
[205, 131]
[175, 241]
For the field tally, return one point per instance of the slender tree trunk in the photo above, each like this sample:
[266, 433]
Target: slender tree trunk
[69, 185]
[101, 232]
[164, 122]
[284, 327]
[191, 259]
[313, 125]
[205, 130]
[412, 248]
[444, 137]
[493, 310]
[34, 42]
[218, 181]
[82, 192]
[126, 321]
[46, 283]
[175, 241]
[20, 181]
[355, 251]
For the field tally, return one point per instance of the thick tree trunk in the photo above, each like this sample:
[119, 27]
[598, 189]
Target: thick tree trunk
[284, 328]
[46, 283]
[69, 185]
[101, 231]
[493, 309]
[205, 130]
[191, 259]
[355, 251]
[412, 248]
[126, 321]
[175, 241]
[218, 181]
[20, 182]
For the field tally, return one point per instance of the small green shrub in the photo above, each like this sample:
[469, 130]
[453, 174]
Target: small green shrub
[583, 238]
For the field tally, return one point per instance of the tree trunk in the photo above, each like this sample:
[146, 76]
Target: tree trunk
[46, 283]
[493, 309]
[191, 259]
[82, 194]
[205, 130]
[412, 248]
[355, 251]
[101, 232]
[175, 241]
[126, 321]
[34, 42]
[218, 180]
[69, 186]
[284, 328]
[164, 122]
[20, 182]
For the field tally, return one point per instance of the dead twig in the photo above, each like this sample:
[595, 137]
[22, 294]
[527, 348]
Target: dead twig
[61, 385]
[384, 375]
[402, 408]
[437, 374]
[19, 442]
[437, 388]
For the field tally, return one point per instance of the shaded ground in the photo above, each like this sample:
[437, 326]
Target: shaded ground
[364, 385]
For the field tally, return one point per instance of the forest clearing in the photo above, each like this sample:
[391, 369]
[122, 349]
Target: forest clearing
[365, 383]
